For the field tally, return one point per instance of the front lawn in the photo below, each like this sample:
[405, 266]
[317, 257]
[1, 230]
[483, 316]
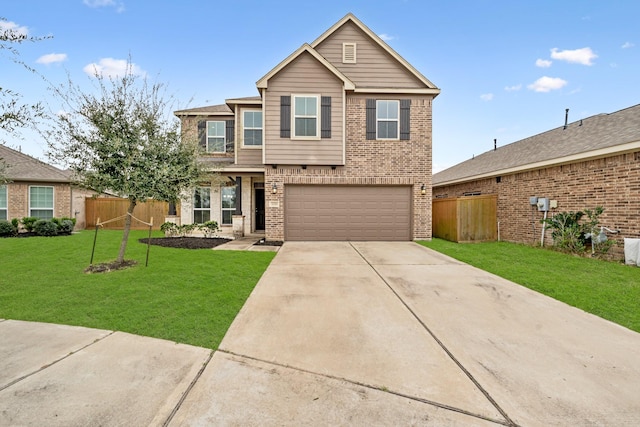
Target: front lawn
[186, 296]
[607, 289]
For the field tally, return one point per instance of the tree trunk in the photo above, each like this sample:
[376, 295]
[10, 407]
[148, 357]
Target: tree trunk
[125, 233]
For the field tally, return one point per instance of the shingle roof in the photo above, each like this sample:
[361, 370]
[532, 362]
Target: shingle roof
[211, 109]
[21, 167]
[581, 139]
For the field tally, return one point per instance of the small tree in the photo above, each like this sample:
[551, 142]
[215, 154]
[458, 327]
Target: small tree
[13, 113]
[124, 140]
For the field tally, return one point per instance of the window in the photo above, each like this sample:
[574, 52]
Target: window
[202, 205]
[215, 137]
[252, 123]
[41, 202]
[228, 204]
[387, 115]
[305, 115]
[3, 202]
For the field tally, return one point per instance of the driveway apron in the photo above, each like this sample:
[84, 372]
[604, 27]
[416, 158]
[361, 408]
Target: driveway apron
[392, 333]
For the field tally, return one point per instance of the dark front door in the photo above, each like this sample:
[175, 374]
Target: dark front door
[259, 209]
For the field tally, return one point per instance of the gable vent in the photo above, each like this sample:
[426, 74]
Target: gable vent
[348, 53]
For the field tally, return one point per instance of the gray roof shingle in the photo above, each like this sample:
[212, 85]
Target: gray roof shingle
[21, 167]
[597, 132]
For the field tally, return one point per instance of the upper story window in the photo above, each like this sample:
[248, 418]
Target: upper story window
[3, 202]
[388, 119]
[252, 128]
[305, 116]
[41, 202]
[216, 137]
[387, 115]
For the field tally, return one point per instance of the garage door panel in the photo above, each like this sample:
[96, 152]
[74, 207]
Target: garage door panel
[333, 212]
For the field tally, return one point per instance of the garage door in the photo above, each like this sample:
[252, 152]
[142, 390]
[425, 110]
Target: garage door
[338, 212]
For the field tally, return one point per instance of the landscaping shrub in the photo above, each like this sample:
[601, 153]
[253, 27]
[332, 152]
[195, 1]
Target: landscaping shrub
[7, 229]
[65, 226]
[45, 227]
[209, 228]
[28, 222]
[170, 229]
[16, 223]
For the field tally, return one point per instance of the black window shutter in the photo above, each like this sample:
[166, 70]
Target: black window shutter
[325, 117]
[229, 134]
[371, 119]
[285, 117]
[230, 130]
[202, 134]
[405, 119]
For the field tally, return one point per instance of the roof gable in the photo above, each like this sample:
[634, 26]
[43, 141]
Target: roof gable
[305, 48]
[22, 167]
[596, 136]
[349, 21]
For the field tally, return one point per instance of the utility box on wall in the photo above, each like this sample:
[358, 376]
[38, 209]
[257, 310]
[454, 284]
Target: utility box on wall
[543, 204]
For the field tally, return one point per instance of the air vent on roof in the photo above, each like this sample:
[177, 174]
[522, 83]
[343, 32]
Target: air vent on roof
[348, 53]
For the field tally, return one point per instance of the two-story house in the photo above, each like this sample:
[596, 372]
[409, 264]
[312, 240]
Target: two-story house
[337, 146]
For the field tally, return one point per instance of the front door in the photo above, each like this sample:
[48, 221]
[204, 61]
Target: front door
[259, 194]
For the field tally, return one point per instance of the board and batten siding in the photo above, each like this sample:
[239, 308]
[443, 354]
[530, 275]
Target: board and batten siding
[304, 75]
[374, 67]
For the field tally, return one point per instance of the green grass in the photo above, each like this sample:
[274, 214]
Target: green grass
[607, 289]
[186, 296]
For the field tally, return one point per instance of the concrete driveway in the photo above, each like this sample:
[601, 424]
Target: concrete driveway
[342, 334]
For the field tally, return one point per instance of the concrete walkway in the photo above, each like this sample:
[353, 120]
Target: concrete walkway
[341, 334]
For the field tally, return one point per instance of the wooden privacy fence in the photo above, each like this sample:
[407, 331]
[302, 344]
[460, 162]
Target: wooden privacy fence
[107, 208]
[466, 219]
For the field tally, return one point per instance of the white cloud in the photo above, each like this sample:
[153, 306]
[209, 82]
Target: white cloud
[543, 63]
[15, 28]
[113, 68]
[513, 88]
[105, 3]
[52, 58]
[386, 37]
[547, 84]
[486, 96]
[583, 56]
[627, 45]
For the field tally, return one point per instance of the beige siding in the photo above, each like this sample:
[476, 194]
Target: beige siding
[374, 67]
[305, 75]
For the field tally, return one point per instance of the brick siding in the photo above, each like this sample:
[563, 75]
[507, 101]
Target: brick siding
[612, 182]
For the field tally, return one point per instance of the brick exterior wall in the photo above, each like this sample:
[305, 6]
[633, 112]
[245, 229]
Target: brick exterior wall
[367, 162]
[612, 182]
[18, 199]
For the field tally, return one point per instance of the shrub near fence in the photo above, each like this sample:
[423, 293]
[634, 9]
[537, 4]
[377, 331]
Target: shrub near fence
[107, 208]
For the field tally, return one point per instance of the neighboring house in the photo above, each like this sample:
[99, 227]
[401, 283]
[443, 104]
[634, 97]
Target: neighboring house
[584, 164]
[34, 189]
[337, 146]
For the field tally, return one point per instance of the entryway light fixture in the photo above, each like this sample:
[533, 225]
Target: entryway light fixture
[274, 188]
[423, 189]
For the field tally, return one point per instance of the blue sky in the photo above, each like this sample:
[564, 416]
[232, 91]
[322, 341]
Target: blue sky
[507, 69]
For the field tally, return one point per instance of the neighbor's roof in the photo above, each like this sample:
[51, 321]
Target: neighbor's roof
[22, 167]
[211, 110]
[594, 137]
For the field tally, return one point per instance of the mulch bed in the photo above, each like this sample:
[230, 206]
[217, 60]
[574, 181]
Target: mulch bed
[186, 242]
[110, 266]
[263, 242]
